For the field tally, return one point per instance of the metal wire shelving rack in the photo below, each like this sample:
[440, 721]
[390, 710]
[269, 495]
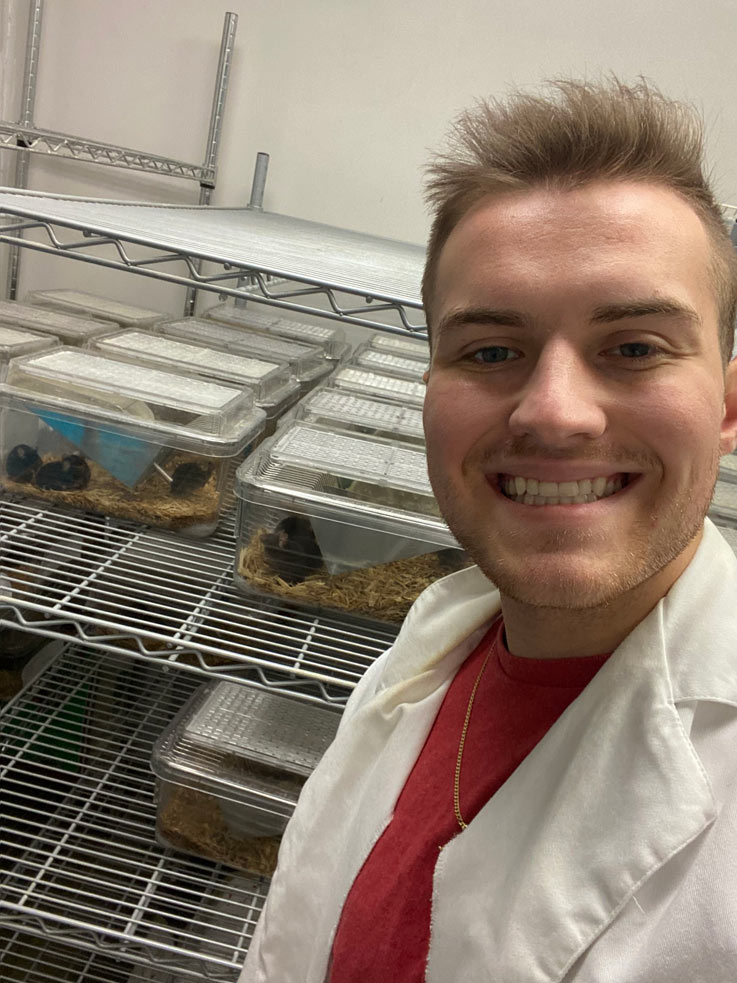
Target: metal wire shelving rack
[288, 263]
[26, 959]
[87, 893]
[164, 603]
[128, 589]
[83, 874]
[26, 138]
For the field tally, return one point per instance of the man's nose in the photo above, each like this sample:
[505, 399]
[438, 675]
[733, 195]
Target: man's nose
[561, 398]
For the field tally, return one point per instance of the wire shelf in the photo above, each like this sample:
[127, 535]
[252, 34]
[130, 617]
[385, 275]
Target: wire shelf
[288, 263]
[128, 589]
[15, 136]
[77, 844]
[26, 959]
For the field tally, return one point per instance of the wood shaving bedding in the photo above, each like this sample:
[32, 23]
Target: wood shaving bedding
[384, 592]
[192, 821]
[150, 501]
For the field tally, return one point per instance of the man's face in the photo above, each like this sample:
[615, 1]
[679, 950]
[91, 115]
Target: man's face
[575, 408]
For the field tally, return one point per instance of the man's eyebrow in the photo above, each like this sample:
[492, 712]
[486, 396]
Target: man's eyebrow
[605, 314]
[608, 313]
[482, 315]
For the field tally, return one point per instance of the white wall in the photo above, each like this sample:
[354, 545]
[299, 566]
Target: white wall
[348, 96]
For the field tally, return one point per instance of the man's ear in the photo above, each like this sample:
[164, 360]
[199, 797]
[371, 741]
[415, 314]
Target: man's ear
[728, 429]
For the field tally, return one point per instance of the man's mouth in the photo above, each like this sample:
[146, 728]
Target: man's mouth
[534, 491]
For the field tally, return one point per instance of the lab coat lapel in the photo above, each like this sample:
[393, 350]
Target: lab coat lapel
[611, 793]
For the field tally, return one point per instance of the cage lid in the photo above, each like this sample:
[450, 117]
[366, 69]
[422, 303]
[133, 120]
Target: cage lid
[233, 740]
[399, 345]
[261, 317]
[307, 362]
[388, 363]
[373, 414]
[370, 383]
[331, 339]
[16, 341]
[79, 302]
[76, 390]
[371, 481]
[355, 457]
[270, 382]
[68, 327]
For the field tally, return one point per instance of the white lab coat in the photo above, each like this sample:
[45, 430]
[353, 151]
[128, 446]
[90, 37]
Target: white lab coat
[609, 856]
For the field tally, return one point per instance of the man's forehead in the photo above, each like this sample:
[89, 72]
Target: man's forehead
[625, 224]
[628, 204]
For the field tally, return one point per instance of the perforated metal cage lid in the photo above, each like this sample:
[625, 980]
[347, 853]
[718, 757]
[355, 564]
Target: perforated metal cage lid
[15, 342]
[388, 363]
[352, 479]
[253, 315]
[347, 456]
[398, 345]
[373, 414]
[239, 742]
[368, 383]
[67, 327]
[79, 302]
[330, 339]
[262, 726]
[307, 362]
[271, 382]
[215, 416]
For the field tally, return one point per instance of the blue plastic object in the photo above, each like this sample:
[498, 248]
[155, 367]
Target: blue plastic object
[124, 457]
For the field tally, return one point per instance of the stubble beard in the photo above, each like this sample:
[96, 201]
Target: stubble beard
[547, 579]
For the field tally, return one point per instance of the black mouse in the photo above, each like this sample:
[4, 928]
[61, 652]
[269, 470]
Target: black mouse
[72, 473]
[291, 549]
[188, 477]
[22, 463]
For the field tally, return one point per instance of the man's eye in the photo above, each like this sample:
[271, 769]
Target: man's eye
[636, 349]
[493, 354]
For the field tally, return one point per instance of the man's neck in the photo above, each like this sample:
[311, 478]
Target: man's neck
[555, 633]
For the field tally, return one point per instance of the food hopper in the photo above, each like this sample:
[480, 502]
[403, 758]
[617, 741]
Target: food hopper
[406, 347]
[348, 411]
[331, 339]
[273, 386]
[106, 436]
[16, 341]
[67, 328]
[377, 385]
[229, 770]
[100, 308]
[340, 521]
[306, 362]
[387, 363]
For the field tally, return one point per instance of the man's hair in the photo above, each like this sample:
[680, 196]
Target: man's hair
[579, 133]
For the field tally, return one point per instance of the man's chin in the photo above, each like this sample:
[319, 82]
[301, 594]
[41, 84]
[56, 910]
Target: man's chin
[558, 588]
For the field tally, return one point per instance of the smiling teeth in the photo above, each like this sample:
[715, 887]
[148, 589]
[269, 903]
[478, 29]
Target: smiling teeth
[531, 491]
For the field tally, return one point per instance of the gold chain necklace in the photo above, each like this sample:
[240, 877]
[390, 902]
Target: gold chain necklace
[461, 745]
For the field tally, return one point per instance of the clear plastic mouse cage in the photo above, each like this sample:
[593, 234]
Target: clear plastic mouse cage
[340, 521]
[92, 433]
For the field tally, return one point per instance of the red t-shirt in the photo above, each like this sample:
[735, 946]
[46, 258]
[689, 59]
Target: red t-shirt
[384, 930]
